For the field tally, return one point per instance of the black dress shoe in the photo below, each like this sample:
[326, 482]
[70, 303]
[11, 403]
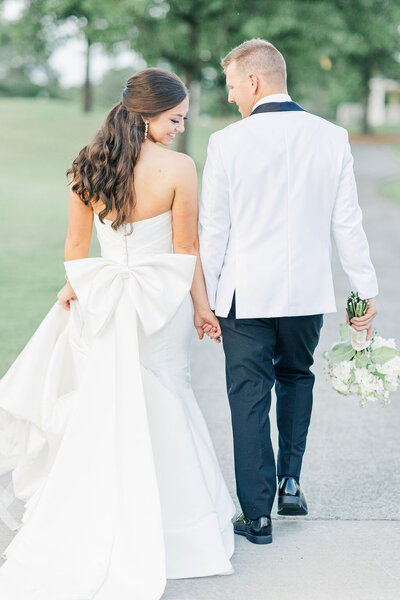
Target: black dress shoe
[291, 500]
[257, 531]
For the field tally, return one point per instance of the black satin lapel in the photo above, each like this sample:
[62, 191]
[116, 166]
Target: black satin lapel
[277, 107]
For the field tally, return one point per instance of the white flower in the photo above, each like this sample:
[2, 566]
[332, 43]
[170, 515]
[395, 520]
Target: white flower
[370, 386]
[342, 370]
[339, 386]
[393, 382]
[371, 382]
[390, 368]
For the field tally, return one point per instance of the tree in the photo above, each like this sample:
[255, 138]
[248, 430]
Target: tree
[178, 31]
[370, 42]
[101, 22]
[332, 47]
[24, 51]
[193, 35]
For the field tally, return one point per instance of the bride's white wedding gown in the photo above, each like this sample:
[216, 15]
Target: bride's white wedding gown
[102, 438]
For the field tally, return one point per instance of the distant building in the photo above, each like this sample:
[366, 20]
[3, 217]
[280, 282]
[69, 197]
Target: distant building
[383, 105]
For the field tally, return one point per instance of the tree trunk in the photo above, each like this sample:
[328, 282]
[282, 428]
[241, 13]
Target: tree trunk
[366, 130]
[183, 140]
[87, 86]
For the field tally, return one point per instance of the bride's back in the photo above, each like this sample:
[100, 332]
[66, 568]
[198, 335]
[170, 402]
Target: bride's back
[155, 179]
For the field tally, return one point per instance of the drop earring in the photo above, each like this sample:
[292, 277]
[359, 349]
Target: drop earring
[146, 129]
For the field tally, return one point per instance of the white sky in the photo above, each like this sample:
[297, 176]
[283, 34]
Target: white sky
[11, 9]
[69, 60]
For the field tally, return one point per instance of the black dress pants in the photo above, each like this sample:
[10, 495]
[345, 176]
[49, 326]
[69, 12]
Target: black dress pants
[260, 353]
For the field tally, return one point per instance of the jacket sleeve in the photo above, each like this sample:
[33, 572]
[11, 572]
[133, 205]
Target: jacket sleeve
[349, 234]
[214, 217]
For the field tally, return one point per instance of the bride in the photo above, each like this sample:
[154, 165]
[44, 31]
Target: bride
[101, 438]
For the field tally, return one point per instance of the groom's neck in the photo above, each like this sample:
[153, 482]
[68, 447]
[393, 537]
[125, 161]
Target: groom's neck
[268, 92]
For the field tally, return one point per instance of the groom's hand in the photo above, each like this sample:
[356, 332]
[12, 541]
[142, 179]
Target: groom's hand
[365, 322]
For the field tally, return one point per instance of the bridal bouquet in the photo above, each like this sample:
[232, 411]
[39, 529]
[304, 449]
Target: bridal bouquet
[369, 369]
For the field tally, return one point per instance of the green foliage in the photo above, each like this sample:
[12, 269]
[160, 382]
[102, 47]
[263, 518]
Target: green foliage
[361, 359]
[17, 83]
[189, 34]
[368, 43]
[194, 35]
[383, 354]
[108, 91]
[344, 332]
[369, 34]
[332, 47]
[102, 21]
[341, 351]
[23, 49]
[39, 31]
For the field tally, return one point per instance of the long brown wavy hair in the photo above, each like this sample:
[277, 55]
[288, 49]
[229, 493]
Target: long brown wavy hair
[103, 170]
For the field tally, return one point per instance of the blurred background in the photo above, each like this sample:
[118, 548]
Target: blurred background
[64, 63]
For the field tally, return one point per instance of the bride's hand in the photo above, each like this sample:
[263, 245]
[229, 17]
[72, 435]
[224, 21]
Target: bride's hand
[65, 295]
[206, 322]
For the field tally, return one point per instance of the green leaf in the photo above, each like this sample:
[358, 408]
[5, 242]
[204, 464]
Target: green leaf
[341, 351]
[344, 332]
[361, 359]
[380, 375]
[383, 354]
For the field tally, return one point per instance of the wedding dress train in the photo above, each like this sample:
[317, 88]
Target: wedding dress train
[102, 438]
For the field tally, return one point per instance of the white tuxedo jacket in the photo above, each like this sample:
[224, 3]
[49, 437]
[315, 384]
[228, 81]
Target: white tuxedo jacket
[275, 185]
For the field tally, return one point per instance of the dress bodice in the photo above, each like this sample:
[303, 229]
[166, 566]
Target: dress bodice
[150, 236]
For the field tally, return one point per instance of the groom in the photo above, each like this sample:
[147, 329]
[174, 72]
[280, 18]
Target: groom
[275, 186]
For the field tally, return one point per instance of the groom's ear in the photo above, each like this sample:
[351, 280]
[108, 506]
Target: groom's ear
[254, 82]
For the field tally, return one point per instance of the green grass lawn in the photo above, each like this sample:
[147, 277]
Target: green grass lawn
[39, 140]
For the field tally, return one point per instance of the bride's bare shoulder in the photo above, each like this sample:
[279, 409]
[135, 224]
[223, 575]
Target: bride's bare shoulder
[178, 160]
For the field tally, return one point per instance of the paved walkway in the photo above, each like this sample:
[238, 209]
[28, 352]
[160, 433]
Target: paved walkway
[348, 548]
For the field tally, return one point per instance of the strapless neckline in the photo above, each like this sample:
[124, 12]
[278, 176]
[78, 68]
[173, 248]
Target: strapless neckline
[167, 212]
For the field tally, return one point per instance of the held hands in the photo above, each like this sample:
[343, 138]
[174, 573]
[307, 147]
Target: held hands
[206, 322]
[365, 322]
[65, 295]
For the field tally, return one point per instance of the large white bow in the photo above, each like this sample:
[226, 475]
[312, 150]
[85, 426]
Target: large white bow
[157, 285]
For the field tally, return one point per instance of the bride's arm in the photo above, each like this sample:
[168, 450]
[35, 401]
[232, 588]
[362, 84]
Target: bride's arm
[77, 243]
[80, 227]
[186, 241]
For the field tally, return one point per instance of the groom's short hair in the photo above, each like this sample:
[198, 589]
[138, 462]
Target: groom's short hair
[260, 57]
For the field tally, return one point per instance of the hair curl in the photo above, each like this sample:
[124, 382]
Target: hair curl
[103, 170]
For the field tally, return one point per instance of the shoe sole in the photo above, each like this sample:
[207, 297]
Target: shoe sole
[255, 539]
[291, 507]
